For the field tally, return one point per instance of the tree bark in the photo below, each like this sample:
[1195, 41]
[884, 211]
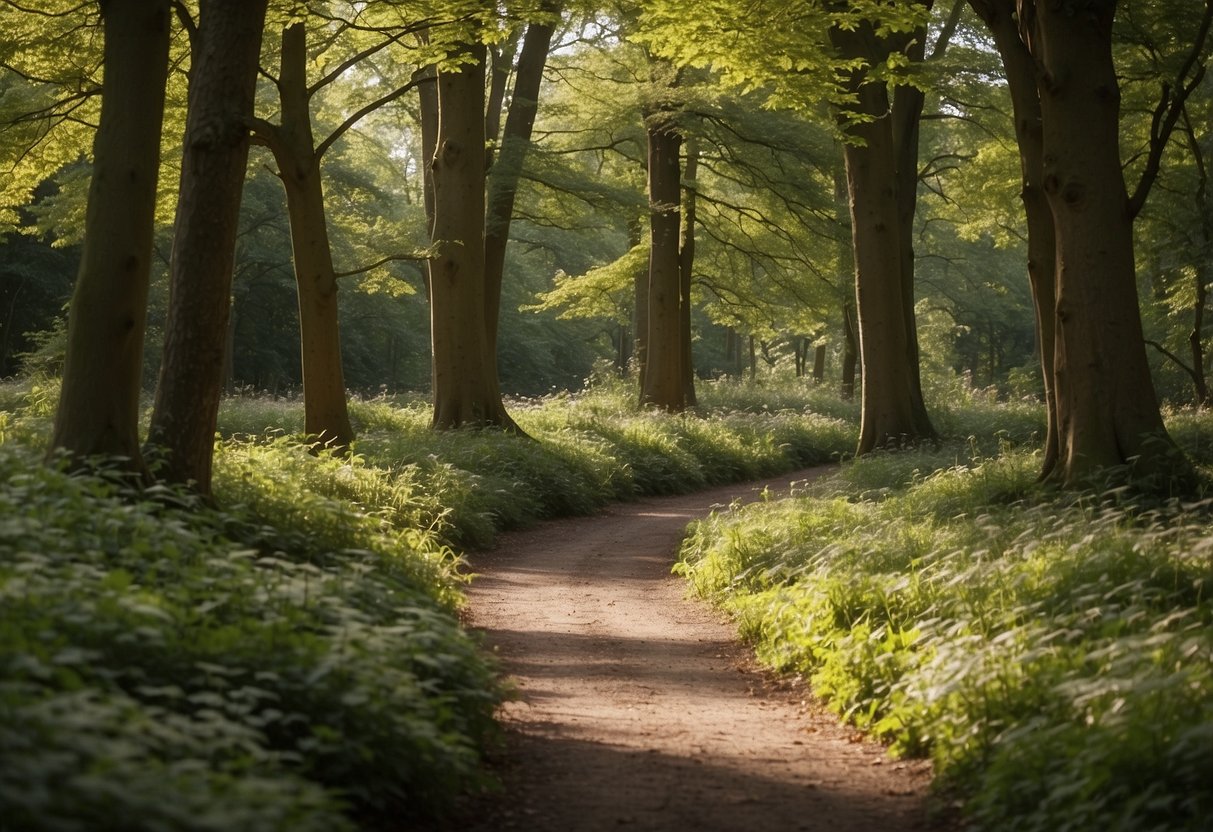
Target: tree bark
[427, 102]
[663, 384]
[1106, 405]
[819, 363]
[466, 391]
[222, 79]
[640, 308]
[889, 415]
[99, 405]
[326, 411]
[907, 118]
[1020, 71]
[850, 352]
[1196, 344]
[623, 354]
[503, 184]
[501, 67]
[686, 268]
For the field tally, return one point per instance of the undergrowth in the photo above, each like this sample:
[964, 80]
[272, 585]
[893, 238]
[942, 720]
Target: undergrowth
[584, 452]
[1052, 653]
[289, 656]
[170, 665]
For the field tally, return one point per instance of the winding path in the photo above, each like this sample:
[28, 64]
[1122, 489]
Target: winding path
[638, 710]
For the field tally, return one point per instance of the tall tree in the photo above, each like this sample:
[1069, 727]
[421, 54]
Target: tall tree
[465, 386]
[686, 265]
[1020, 72]
[326, 415]
[1107, 409]
[869, 44]
[663, 378]
[891, 404]
[908, 101]
[225, 49]
[299, 157]
[507, 170]
[99, 406]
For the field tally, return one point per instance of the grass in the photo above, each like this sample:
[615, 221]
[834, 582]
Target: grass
[290, 657]
[588, 450]
[1052, 653]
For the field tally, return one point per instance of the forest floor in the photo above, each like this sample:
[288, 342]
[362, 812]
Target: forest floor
[636, 707]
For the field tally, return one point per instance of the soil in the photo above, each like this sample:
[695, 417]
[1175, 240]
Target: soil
[636, 707]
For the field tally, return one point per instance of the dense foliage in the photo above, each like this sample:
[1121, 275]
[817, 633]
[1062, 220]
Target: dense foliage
[1050, 653]
[290, 657]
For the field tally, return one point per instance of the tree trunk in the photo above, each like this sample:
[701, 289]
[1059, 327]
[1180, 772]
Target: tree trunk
[501, 66]
[907, 117]
[640, 310]
[686, 268]
[623, 353]
[99, 405]
[850, 352]
[663, 385]
[1020, 71]
[326, 412]
[732, 351]
[1196, 344]
[427, 103]
[889, 415]
[1106, 405]
[819, 364]
[465, 390]
[226, 53]
[503, 184]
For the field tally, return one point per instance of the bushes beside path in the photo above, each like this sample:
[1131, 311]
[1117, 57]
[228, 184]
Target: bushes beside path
[291, 657]
[1052, 653]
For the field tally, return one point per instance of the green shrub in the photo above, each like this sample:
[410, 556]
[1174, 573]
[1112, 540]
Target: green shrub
[266, 676]
[289, 657]
[1052, 654]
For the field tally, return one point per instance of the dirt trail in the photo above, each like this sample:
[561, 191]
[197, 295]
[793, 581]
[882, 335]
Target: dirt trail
[637, 708]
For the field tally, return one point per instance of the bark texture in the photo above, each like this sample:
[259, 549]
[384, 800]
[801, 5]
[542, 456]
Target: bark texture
[663, 379]
[503, 184]
[1107, 409]
[891, 415]
[686, 269]
[465, 387]
[907, 119]
[226, 52]
[326, 412]
[99, 405]
[1020, 70]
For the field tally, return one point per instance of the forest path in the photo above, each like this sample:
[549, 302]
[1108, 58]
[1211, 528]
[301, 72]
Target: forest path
[637, 708]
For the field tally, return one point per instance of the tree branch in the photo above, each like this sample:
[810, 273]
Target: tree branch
[366, 110]
[364, 54]
[416, 257]
[1167, 113]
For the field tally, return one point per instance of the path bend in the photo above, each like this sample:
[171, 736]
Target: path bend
[638, 710]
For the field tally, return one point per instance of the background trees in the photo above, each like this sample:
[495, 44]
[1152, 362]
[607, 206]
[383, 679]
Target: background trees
[753, 141]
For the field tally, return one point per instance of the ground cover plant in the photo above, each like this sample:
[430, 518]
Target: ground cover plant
[585, 450]
[290, 656]
[1052, 653]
